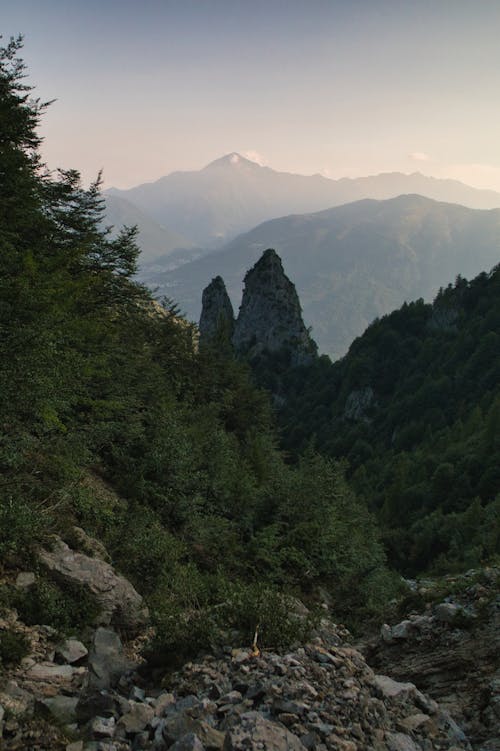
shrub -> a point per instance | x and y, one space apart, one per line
67 608
13 647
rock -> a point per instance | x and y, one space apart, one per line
180 725
188 742
16 700
217 316
162 702
386 633
103 727
137 718
75 746
92 703
233 697
415 721
137 694
446 612
401 742
402 630
51 673
358 403
106 660
25 579
391 689
62 708
2 715
71 651
270 317
256 732
120 604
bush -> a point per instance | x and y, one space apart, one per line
13 647
20 527
68 609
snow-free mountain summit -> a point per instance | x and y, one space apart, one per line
210 206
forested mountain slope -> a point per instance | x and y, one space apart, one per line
351 263
98 381
415 409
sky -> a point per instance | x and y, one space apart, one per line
344 88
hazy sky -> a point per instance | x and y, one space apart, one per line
342 87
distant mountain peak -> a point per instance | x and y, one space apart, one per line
232 160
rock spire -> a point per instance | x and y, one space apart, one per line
270 317
217 316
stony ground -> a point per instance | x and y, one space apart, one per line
451 650
319 696
70 696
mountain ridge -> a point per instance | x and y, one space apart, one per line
352 263
232 194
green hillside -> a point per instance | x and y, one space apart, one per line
100 383
414 407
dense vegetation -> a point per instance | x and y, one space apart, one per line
110 419
414 407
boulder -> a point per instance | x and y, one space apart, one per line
256 732
401 742
189 742
137 718
25 579
71 651
120 604
106 660
61 708
446 612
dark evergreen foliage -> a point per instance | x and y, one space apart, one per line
97 380
423 447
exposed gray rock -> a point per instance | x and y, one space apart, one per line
391 689
401 742
62 708
255 732
451 655
71 651
51 673
103 727
189 742
16 700
217 316
270 317
106 660
357 404
447 611
402 630
120 603
136 719
25 579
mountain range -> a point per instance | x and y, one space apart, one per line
209 207
351 263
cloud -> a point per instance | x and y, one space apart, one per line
255 156
419 156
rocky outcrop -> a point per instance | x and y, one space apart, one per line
358 403
270 317
217 316
120 604
321 697
452 652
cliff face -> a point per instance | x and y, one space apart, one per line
270 317
217 317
